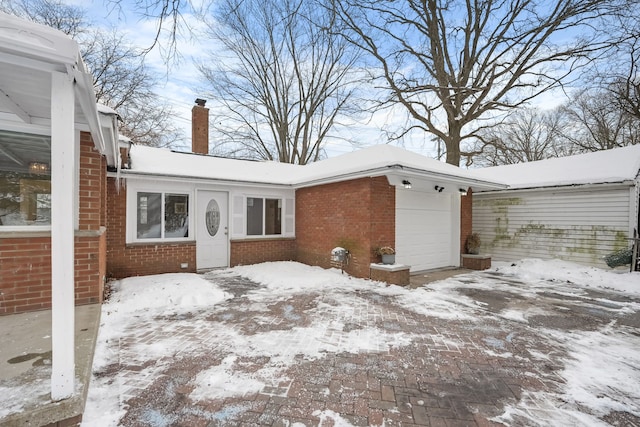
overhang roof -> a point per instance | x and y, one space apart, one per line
617 165
372 161
29 53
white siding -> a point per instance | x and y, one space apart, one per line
571 224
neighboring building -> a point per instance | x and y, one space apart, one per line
187 212
577 208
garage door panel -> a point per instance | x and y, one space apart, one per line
423 229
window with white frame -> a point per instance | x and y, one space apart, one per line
264 216
25 179
162 215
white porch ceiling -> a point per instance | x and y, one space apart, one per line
25 92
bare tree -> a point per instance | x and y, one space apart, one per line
451 63
526 135
123 82
282 77
69 19
622 75
169 18
601 122
121 79
627 87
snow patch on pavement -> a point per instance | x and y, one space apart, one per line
601 376
223 380
533 269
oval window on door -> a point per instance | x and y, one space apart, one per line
212 217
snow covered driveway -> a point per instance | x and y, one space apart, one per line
285 344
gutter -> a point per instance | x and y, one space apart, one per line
625 183
124 173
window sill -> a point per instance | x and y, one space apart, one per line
18 233
160 242
262 238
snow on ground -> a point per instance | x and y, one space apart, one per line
137 301
603 381
23 395
562 271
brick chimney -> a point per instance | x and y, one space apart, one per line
200 127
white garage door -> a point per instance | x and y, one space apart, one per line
425 234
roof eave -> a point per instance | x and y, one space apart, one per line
621 183
407 171
129 173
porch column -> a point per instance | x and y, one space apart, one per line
62 236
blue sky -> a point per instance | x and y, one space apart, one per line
181 83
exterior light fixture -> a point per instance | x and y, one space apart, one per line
406 184
439 188
463 192
38 168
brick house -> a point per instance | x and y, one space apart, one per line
55 147
175 211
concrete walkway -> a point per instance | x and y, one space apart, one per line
25 367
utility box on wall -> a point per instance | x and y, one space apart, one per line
339 258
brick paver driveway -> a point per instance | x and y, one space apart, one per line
492 351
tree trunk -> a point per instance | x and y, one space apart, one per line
452 142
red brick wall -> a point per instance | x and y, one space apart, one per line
25 274
89 277
139 259
92 185
383 214
466 219
90 241
245 252
25 258
357 214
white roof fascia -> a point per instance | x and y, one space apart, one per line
399 169
131 174
86 97
594 186
109 125
476 183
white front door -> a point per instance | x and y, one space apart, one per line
212 238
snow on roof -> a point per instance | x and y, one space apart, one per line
610 166
371 161
105 109
164 162
380 157
30 39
